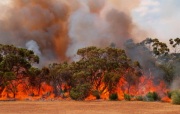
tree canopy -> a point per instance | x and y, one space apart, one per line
14 64
97 70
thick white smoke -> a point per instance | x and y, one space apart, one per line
175 84
32 45
86 29
60 27
99 23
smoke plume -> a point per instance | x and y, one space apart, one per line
56 29
59 27
32 45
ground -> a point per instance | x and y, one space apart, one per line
87 107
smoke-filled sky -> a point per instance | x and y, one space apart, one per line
55 29
161 17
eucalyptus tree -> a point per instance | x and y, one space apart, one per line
168 59
60 75
175 43
14 64
97 66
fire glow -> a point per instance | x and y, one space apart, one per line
56 29
145 85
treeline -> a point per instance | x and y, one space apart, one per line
94 68
167 59
80 78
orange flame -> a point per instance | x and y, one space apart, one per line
144 85
24 92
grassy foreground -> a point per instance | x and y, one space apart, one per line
87 107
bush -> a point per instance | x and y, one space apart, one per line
80 92
127 97
113 96
176 97
169 94
96 93
152 96
139 98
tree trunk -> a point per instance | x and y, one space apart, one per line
55 90
39 89
129 88
14 95
1 90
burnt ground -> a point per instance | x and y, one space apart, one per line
87 107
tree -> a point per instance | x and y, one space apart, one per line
159 48
131 76
37 77
97 66
175 43
34 81
60 74
169 72
14 64
167 62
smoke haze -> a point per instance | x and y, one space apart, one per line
56 29
60 27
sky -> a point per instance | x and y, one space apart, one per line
159 17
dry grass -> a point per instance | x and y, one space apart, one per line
87 107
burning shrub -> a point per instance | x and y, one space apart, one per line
139 98
152 96
176 97
80 92
96 93
113 96
127 97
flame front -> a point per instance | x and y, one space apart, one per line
145 84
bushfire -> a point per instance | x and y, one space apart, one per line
144 86
45 91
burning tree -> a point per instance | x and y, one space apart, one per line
101 68
99 73
14 64
168 61
156 58
60 78
36 78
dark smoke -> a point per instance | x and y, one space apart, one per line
142 54
59 27
44 22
